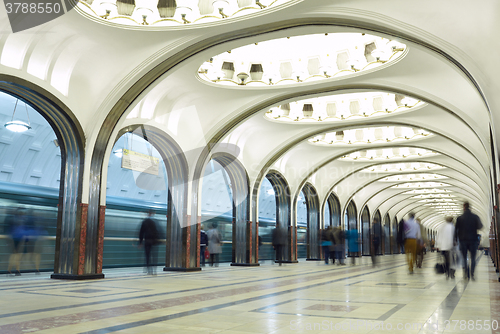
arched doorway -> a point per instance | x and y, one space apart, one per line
267 216
395 247
365 231
52 158
239 229
334 210
301 209
217 206
282 200
351 220
132 191
313 228
387 234
377 232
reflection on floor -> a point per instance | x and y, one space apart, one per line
308 297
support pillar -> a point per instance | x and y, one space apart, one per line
78 272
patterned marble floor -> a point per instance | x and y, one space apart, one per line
308 297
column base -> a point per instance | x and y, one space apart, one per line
245 264
181 269
294 261
315 260
77 277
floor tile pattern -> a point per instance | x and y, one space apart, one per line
307 297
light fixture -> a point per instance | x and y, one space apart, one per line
270 192
17 125
118 152
319 59
378 53
221 5
352 63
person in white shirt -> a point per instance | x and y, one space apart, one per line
445 244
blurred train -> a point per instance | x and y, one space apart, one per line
122 222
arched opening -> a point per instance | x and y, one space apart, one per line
137 182
217 208
365 231
282 202
313 228
267 217
377 233
159 176
326 216
301 209
225 192
351 222
387 234
334 210
395 247
41 174
30 175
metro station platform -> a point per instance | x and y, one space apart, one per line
308 297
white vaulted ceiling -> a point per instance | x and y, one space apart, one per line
449 64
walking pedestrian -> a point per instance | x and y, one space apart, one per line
466 233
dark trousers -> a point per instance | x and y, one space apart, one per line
214 258
447 262
279 254
326 252
149 250
470 246
202 255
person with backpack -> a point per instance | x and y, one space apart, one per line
214 247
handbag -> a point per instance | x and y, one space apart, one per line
207 254
439 268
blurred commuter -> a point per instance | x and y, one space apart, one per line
445 244
279 242
466 233
339 240
326 243
401 236
17 231
331 248
412 234
353 243
376 233
149 237
421 244
33 240
203 246
214 244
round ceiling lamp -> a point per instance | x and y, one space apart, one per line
18 125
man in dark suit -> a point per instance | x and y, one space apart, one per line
148 236
466 233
